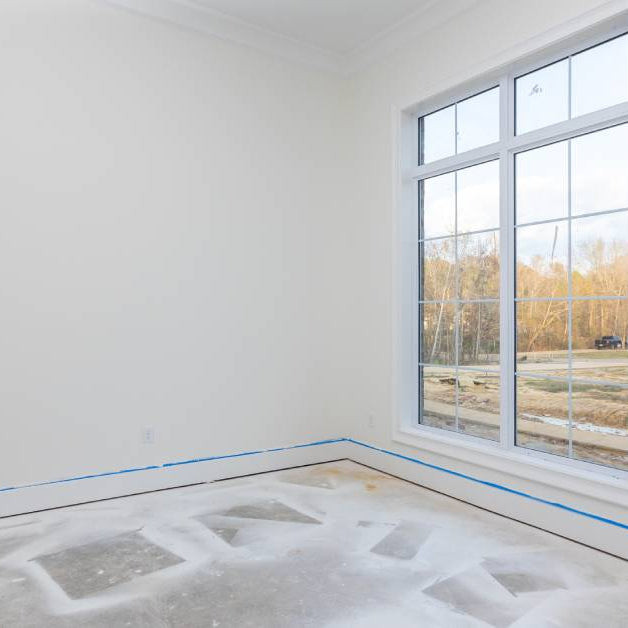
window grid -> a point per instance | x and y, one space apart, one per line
565 218
563 58
510 144
466 233
454 104
458 302
571 379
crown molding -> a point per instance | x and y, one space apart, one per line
189 14
407 30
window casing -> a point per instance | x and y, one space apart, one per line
511 294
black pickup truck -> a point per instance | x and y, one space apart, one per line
608 342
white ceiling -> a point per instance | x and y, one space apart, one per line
336 35
338 26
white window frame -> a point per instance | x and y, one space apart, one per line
406 427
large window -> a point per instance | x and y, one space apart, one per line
522 190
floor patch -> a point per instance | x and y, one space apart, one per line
271 510
88 569
404 541
226 534
525 573
314 481
477 595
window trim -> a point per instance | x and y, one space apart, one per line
406 429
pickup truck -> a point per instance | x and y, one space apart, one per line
608 342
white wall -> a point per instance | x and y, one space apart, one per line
166 206
198 237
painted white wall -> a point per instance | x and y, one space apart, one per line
167 202
198 237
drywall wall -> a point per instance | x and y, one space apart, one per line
197 238
166 218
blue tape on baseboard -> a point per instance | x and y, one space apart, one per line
417 461
499 487
167 465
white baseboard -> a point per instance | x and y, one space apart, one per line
58 494
534 506
586 522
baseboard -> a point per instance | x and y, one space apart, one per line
95 487
588 523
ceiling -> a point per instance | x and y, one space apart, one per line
338 26
337 35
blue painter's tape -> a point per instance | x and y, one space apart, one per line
256 452
499 487
167 465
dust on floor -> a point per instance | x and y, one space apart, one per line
335 545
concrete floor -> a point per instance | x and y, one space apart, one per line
334 545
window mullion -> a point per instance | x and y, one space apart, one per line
506 293
455 162
588 123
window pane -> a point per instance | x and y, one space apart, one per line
600 424
478 404
599 77
478 263
479 335
542 260
599 331
437 343
542 183
543 337
478 120
439 134
542 97
478 197
438 277
600 255
439 206
543 415
600 171
437 397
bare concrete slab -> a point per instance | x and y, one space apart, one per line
476 595
89 569
374 551
526 573
404 541
226 534
271 510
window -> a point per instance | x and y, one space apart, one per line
522 248
459 300
583 83
460 127
571 213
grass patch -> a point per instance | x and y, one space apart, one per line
600 354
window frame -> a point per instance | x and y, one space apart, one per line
407 429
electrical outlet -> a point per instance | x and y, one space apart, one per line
371 420
148 435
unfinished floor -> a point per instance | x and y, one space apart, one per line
329 545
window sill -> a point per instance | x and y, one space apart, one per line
609 486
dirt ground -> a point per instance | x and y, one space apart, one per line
592 403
